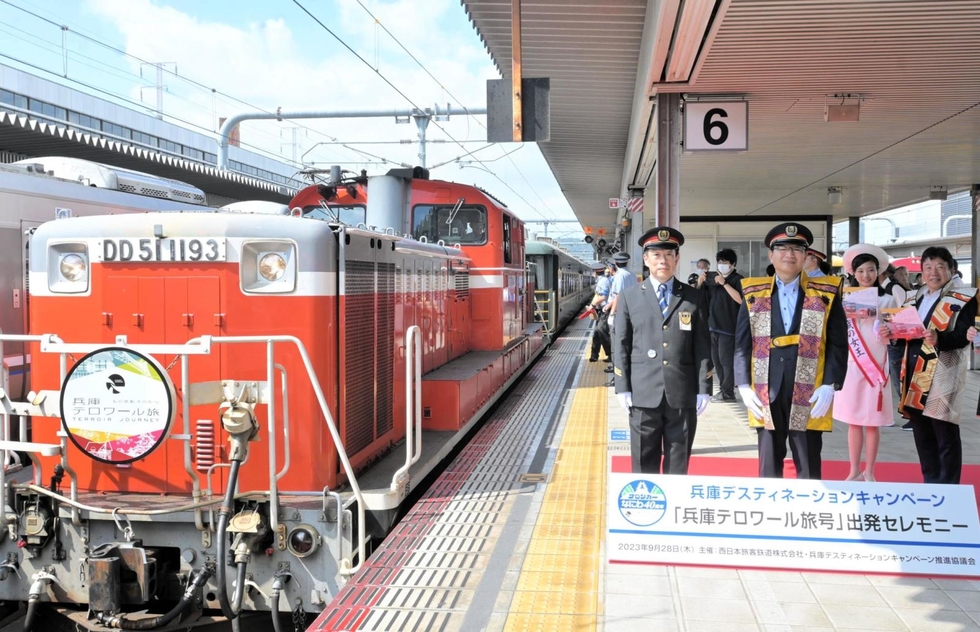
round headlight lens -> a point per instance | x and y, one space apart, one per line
303 541
272 266
73 267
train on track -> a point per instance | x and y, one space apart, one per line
227 407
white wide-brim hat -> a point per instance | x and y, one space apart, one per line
865 249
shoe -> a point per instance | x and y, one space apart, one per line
729 398
593 359
608 369
611 383
718 398
857 477
607 360
907 426
868 477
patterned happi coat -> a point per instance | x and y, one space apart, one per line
810 340
933 379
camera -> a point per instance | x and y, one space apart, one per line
693 279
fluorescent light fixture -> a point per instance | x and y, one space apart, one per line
842 112
834 195
938 193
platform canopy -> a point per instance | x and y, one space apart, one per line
911 67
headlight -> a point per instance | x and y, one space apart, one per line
268 266
67 268
73 267
303 541
272 266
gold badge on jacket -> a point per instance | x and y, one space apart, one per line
685 318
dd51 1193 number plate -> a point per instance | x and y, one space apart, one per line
149 250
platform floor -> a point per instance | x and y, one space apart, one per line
512 536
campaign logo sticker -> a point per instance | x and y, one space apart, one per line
642 503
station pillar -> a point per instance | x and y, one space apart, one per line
853 230
668 160
974 230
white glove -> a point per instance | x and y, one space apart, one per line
625 400
751 400
821 399
703 403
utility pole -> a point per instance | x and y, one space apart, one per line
159 83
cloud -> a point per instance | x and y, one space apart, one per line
288 60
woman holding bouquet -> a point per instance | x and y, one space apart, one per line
865 401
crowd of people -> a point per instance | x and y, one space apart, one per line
796 347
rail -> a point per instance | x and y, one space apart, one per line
198 394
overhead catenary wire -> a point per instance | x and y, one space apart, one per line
453 97
166 71
407 98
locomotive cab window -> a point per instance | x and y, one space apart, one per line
466 225
349 215
507 236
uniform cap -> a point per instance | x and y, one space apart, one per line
789 233
816 253
597 265
621 257
661 237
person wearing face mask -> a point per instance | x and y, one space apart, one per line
790 355
724 298
934 369
703 268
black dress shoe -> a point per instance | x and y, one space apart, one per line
608 369
907 426
607 359
593 359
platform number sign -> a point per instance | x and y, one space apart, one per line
716 126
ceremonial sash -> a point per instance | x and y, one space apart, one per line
916 394
858 349
817 295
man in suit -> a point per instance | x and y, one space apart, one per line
662 351
790 354
934 369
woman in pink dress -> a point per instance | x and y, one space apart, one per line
865 401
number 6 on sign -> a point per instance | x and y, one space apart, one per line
716 126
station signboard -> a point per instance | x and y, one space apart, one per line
857 527
716 126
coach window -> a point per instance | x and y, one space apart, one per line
507 238
464 225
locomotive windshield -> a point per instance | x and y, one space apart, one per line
350 215
468 225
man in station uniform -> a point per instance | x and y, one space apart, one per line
620 281
815 265
661 348
600 332
790 354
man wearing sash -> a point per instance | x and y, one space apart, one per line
934 369
662 350
790 354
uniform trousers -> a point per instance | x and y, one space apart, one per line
600 337
723 358
805 445
663 433
939 446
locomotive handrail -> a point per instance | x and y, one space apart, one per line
413 404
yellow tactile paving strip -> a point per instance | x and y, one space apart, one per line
558 588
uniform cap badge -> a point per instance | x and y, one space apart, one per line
791 230
663 235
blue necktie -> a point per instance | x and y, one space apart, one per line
662 290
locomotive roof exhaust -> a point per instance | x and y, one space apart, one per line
388 203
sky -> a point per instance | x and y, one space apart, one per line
225 57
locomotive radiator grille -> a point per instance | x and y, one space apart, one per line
461 283
359 346
385 346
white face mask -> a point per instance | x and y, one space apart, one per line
724 268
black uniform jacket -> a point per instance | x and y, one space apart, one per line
657 356
782 360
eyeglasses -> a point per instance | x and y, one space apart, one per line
784 248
